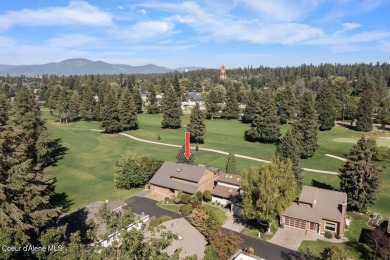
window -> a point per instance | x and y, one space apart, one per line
330 226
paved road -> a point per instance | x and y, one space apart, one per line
262 248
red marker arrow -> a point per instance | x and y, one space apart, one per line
187 151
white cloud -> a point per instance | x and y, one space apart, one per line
350 26
282 10
77 12
146 30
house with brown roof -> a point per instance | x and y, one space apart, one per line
317 210
190 240
227 188
174 177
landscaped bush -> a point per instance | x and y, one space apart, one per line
328 234
185 198
166 199
196 204
207 195
177 200
186 209
337 236
199 194
194 198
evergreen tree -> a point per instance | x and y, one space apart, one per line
231 164
137 99
171 110
176 86
110 114
153 107
197 127
288 148
74 104
325 106
25 190
212 106
4 111
88 104
288 104
360 176
250 109
127 111
365 107
52 102
63 105
231 110
265 125
180 158
306 128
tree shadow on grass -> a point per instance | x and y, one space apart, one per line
57 151
321 185
62 200
357 246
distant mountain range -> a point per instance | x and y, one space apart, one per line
84 66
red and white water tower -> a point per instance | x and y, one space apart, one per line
223 73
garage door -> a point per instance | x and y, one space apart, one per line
294 222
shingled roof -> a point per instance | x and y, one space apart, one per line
325 204
168 172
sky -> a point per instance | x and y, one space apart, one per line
237 33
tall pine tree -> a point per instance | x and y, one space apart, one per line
288 148
127 111
306 128
250 109
366 107
180 158
360 176
74 104
63 105
176 86
137 99
110 114
88 104
153 107
231 164
171 110
265 125
212 106
197 127
325 103
27 191
231 110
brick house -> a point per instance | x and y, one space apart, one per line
317 210
174 177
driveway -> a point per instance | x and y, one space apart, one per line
291 237
147 206
262 248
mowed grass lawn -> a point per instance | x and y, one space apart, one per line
86 171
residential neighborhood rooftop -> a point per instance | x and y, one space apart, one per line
229 178
190 240
326 204
170 174
225 192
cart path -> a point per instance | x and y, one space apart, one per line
336 157
213 151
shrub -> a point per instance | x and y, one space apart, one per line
185 198
159 137
166 199
193 198
177 200
196 204
328 234
337 236
196 148
186 209
199 194
251 251
207 195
